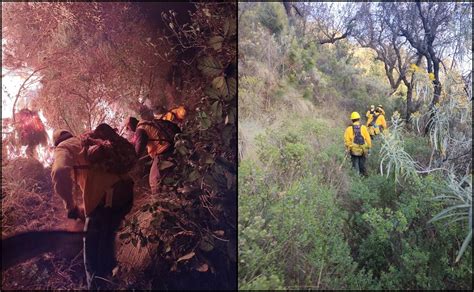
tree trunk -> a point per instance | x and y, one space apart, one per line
409 101
436 96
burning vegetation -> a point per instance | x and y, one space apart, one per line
101 63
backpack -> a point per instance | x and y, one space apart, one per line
105 148
358 138
374 119
167 130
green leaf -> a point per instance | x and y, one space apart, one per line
464 245
231 88
226 87
212 93
207 243
216 109
194 175
182 150
210 66
209 160
443 213
204 123
216 42
219 83
165 164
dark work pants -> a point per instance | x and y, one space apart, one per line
99 242
358 163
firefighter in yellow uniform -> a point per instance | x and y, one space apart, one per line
370 113
357 143
157 137
381 109
377 123
107 199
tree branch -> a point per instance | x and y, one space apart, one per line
21 88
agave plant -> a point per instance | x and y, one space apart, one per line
423 86
392 152
439 132
459 206
451 129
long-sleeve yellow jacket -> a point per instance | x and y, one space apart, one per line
349 139
380 123
157 142
70 165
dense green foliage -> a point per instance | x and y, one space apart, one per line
306 220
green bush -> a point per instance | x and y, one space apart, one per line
281 243
272 15
392 238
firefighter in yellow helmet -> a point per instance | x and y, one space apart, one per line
377 123
381 109
357 142
370 113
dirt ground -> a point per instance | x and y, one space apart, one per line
29 203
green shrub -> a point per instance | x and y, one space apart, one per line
272 15
392 238
305 222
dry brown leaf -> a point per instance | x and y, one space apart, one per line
219 232
186 257
203 268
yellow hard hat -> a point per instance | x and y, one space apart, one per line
180 112
372 106
355 116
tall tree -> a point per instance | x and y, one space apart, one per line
428 29
374 30
95 56
329 22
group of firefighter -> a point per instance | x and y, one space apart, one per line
108 196
358 137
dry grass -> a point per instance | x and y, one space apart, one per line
28 203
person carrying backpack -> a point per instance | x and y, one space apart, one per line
377 123
357 142
98 162
157 137
370 113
